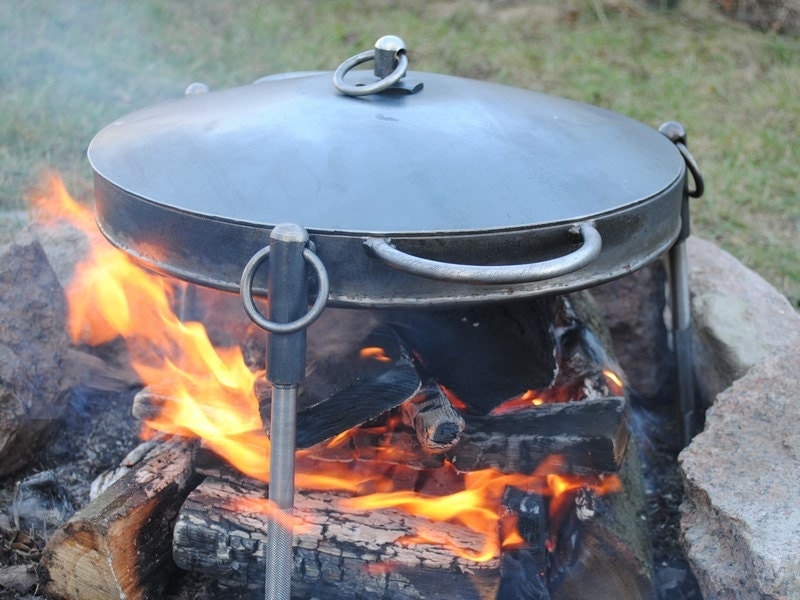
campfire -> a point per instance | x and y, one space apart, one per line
428 394
406 471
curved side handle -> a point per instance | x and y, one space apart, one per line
490 274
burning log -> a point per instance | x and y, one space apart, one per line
524 570
582 543
118 546
221 531
591 436
436 422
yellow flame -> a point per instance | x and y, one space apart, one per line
210 395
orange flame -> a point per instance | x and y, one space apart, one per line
212 389
210 392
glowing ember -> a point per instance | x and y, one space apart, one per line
375 353
554 395
614 381
211 397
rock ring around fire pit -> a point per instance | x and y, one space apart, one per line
741 521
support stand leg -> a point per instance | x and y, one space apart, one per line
682 338
287 288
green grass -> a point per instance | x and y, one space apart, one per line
70 67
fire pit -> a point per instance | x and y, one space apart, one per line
403 191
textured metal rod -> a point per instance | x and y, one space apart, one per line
286 361
278 555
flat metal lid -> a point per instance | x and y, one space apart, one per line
458 156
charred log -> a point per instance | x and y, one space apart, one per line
221 531
118 546
603 548
600 545
523 571
591 436
436 422
484 354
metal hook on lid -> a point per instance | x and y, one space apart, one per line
391 64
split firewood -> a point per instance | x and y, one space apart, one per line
603 548
591 436
433 418
600 545
119 545
221 532
523 570
483 354
362 401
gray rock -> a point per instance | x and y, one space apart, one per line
738 318
741 516
33 352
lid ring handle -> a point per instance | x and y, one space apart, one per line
391 45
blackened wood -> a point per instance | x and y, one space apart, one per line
590 436
119 545
433 418
364 400
339 553
484 354
523 571
350 380
604 550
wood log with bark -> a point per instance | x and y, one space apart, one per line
339 553
119 545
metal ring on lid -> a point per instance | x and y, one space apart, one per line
303 322
389 50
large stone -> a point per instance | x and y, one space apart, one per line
741 516
34 351
738 318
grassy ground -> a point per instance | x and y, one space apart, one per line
71 66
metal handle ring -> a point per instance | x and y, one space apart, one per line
372 88
694 169
283 328
493 274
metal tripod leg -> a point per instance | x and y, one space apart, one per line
679 287
682 337
286 362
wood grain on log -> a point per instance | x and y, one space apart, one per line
435 421
119 545
221 531
591 437
339 553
